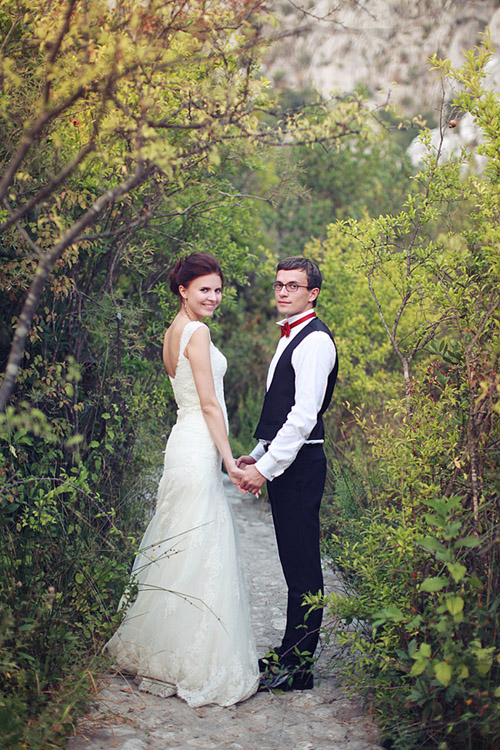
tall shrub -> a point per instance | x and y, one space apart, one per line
421 551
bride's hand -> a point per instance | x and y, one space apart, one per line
235 475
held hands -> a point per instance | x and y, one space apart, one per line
245 476
235 475
252 479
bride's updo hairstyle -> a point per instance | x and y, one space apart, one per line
190 268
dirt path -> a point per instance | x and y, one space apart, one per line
318 719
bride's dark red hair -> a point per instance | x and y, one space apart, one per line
186 270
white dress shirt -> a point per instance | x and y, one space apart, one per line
313 360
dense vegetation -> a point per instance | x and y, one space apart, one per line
134 134
414 515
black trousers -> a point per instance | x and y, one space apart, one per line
295 499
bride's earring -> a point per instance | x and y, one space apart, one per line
185 306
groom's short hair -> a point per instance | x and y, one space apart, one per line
297 262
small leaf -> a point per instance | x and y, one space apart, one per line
435 583
445 555
433 520
457 571
467 541
442 671
414 623
419 667
74 440
454 604
391 613
452 529
79 577
483 667
431 543
475 583
425 650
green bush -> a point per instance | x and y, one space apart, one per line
426 641
63 565
414 517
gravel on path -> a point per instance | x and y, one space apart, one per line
324 718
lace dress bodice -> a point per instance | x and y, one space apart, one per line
185 393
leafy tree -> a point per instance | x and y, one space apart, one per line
109 95
125 94
419 547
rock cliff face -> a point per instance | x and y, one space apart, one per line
381 44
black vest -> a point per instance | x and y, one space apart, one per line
280 397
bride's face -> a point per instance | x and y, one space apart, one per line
202 296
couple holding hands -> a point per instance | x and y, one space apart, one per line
188 630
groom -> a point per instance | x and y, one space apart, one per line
291 458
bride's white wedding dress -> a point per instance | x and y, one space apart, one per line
188 630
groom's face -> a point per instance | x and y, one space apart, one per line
293 303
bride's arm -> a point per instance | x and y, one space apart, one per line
198 353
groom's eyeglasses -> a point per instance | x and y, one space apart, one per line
292 286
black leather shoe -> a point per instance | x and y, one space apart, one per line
285 680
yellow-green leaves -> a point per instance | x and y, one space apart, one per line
454 605
443 672
434 583
422 658
457 571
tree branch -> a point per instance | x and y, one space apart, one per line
29 138
48 189
45 266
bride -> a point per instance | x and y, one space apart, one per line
188 630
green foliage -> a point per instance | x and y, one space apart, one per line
122 123
414 514
434 628
63 565
309 187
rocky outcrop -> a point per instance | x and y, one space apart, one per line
383 45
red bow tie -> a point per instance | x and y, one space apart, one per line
287 327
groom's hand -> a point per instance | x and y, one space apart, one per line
252 479
244 461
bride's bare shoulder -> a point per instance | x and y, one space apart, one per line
171 345
172 342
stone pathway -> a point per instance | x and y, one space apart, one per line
319 719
